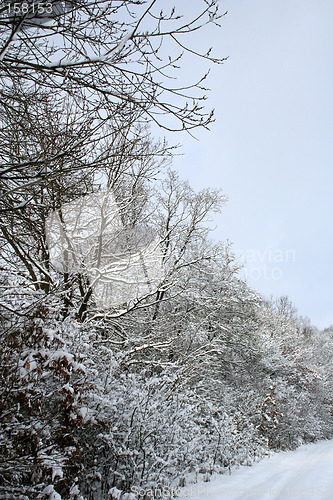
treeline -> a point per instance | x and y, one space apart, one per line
197 373
197 377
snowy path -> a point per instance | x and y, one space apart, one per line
306 473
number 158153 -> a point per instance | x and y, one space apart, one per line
25 8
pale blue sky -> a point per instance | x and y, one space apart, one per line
271 147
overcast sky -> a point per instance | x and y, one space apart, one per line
270 149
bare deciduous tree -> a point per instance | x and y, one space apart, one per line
115 57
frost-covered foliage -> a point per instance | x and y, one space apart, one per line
86 416
197 377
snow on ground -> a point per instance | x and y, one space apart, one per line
306 473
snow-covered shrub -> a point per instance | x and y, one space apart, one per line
42 401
